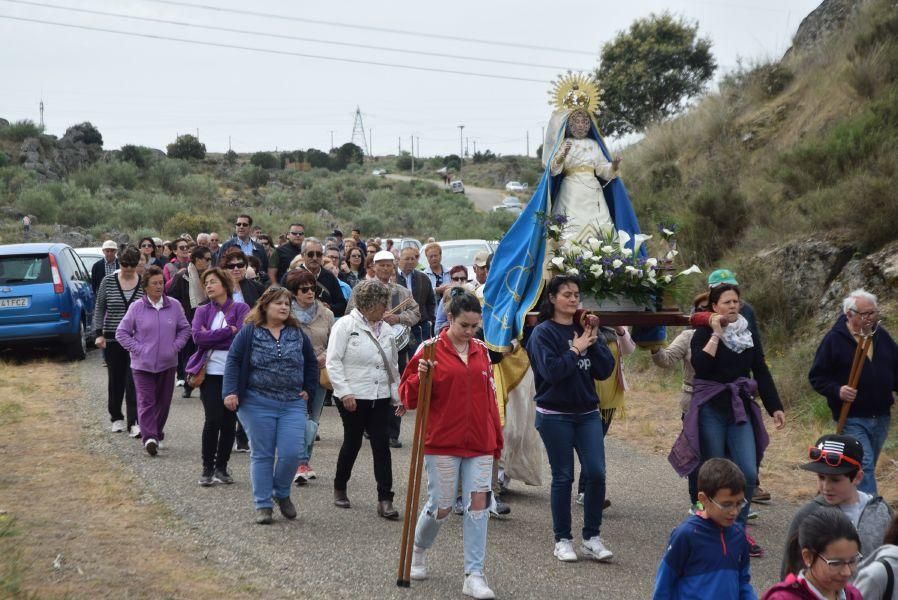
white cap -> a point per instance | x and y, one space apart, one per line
110 245
384 255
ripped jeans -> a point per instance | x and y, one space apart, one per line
443 473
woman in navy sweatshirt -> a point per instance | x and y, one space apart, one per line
567 360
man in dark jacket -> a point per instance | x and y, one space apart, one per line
329 290
871 402
243 241
418 284
285 253
104 267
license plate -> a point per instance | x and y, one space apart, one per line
22 302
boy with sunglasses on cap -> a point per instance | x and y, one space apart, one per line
707 556
837 459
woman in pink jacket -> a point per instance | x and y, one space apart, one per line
153 332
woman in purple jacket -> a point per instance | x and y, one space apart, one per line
153 331
214 326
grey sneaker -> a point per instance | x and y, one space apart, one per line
206 479
263 516
286 506
221 475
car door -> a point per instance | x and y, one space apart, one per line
79 283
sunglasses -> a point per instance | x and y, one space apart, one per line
237 265
462 279
241 224
833 459
148 246
305 289
128 265
314 254
297 232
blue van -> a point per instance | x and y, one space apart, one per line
45 296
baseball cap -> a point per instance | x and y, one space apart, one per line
384 255
110 245
480 258
838 449
721 276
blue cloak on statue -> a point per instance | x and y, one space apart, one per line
515 280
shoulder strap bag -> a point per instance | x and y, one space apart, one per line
392 375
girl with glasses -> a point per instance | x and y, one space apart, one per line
458 278
234 263
355 272
148 253
830 553
180 261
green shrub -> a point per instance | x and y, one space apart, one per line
14 179
198 187
153 208
40 203
90 178
141 156
717 216
185 222
4 159
230 157
82 210
253 176
167 172
21 130
265 160
186 147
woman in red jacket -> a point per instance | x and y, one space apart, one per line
463 437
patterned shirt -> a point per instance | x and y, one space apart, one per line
276 366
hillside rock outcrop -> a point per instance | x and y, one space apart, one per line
81 146
827 18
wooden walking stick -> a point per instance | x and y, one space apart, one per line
414 473
854 376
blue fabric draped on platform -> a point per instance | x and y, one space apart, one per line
515 279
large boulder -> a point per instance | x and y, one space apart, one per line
831 16
877 273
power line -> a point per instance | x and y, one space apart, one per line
278 52
430 35
284 36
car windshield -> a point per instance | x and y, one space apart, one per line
24 270
461 255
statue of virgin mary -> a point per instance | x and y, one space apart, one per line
580 181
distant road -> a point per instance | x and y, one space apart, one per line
483 198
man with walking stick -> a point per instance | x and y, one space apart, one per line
856 370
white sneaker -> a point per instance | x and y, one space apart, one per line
595 548
179 383
118 426
476 587
160 445
419 564
580 498
135 431
564 551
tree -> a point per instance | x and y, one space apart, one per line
230 157
404 162
650 71
139 155
348 154
186 146
265 160
483 157
316 158
453 161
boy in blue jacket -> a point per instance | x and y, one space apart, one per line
707 556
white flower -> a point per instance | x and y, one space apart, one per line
607 249
623 237
651 262
616 263
594 244
558 261
573 271
596 270
639 239
671 254
626 252
587 254
667 279
690 271
667 232
554 228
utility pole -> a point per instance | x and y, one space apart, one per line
42 113
371 142
418 145
466 147
413 154
399 153
461 147
197 133
332 138
475 146
229 143
528 142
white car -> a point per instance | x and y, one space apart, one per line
379 172
509 203
457 187
515 186
89 256
459 252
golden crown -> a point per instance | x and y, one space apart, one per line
573 91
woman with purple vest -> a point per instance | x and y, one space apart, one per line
153 331
214 326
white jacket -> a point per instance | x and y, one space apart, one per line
354 364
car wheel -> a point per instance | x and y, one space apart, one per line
76 348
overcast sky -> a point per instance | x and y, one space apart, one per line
145 91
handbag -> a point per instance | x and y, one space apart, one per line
324 379
392 376
195 380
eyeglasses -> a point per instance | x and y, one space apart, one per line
462 279
866 314
830 457
237 265
128 265
241 224
839 563
305 289
182 248
730 506
313 254
148 246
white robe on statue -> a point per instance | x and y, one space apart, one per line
580 195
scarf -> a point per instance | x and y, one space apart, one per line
736 336
305 315
195 286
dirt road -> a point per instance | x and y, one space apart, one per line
483 198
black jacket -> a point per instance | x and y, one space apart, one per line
98 272
258 251
284 254
251 290
422 292
879 378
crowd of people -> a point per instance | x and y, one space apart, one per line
272 330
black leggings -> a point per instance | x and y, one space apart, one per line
372 416
118 367
218 428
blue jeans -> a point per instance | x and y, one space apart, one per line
443 473
315 415
871 432
274 428
721 437
562 435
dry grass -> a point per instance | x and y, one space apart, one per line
652 421
70 525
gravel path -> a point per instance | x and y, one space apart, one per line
334 553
